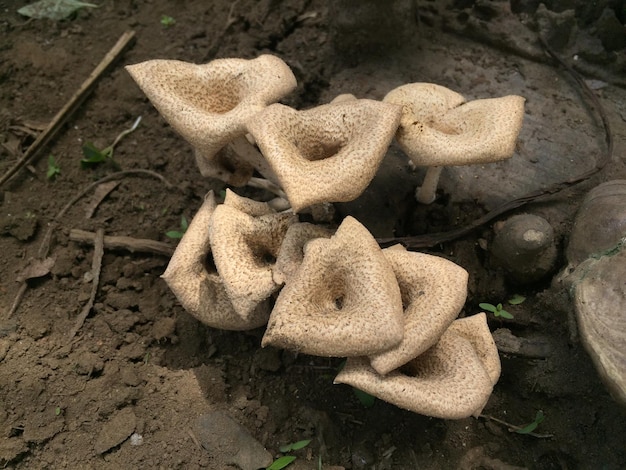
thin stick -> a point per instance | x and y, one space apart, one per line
514 428
141 245
96 269
72 105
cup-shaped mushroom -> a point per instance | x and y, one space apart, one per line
196 284
343 300
209 104
291 251
440 128
448 381
433 292
245 249
326 154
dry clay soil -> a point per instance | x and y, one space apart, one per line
140 364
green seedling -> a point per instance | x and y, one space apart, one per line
366 399
539 417
516 299
295 446
57 411
92 155
53 9
281 462
53 168
167 21
497 310
177 234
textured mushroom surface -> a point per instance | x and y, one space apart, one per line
247 205
245 249
476 330
440 128
198 288
326 154
343 300
448 381
291 251
209 104
600 300
433 292
600 223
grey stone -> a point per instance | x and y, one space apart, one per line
220 434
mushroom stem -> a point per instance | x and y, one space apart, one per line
267 185
244 149
427 193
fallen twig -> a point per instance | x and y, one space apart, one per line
141 245
96 269
432 239
72 105
514 428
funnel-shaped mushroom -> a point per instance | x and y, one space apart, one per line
343 300
439 128
200 289
448 381
326 154
433 292
245 249
209 104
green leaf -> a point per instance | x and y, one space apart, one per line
53 9
488 307
53 168
504 314
184 225
295 446
281 462
174 234
57 411
92 155
516 299
539 417
366 399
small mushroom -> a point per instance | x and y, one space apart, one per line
244 248
440 128
198 287
433 292
326 154
343 300
447 381
209 105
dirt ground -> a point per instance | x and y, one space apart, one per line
141 366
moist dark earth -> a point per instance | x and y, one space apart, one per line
127 391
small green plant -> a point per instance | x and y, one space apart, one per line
167 21
539 417
516 299
92 155
366 399
53 168
285 460
497 310
177 234
57 411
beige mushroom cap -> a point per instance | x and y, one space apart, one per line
433 291
326 154
200 291
476 330
439 128
249 206
244 249
291 251
343 300
448 381
209 104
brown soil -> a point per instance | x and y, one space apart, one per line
141 364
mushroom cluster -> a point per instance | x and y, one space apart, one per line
330 292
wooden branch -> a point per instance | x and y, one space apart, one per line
142 245
70 107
